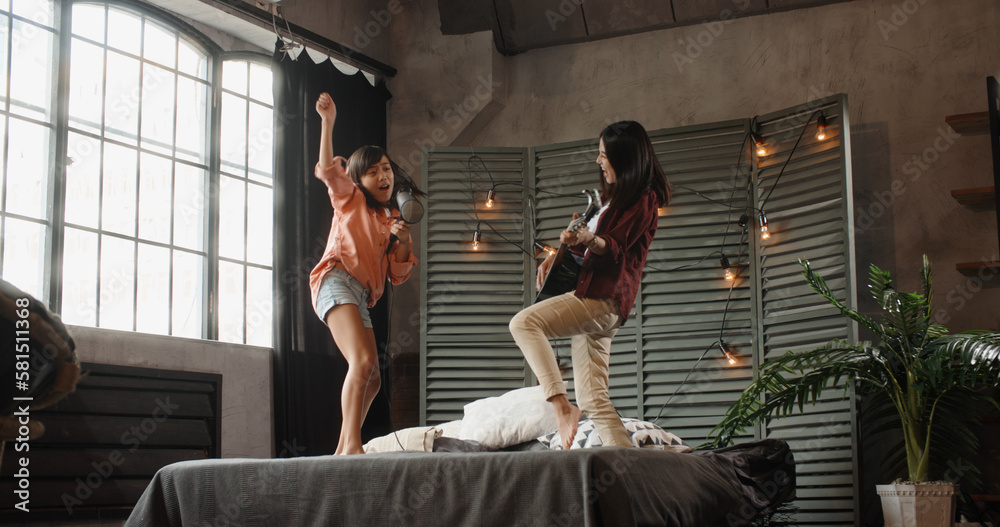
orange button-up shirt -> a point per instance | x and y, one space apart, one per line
358 238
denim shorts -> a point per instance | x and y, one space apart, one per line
339 288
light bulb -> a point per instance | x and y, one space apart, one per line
764 233
727 269
549 250
758 141
821 127
727 352
476 236
489 197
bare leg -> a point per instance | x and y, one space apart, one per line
374 380
567 417
356 343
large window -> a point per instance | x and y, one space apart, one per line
167 169
26 141
246 204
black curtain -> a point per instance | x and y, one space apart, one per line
308 369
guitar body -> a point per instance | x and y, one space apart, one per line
565 272
562 277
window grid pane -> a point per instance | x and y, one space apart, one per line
154 198
246 201
135 220
28 153
232 301
259 306
4 50
137 174
88 21
27 53
152 314
24 255
31 72
158 108
116 308
40 11
86 86
187 291
79 305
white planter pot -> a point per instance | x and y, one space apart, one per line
918 505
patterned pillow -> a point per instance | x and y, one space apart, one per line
643 434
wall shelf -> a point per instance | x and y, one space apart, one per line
986 198
976 123
974 268
978 199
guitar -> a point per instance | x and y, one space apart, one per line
565 272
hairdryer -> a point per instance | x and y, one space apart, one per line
410 211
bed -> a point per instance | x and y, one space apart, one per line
491 468
608 486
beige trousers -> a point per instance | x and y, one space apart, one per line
591 323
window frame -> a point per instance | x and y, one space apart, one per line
54 260
52 124
260 59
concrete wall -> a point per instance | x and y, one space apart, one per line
904 65
247 392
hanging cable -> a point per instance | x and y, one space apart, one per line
287 45
477 235
700 195
732 285
736 175
792 153
683 382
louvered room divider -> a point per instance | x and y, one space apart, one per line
668 363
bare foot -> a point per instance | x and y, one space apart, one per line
568 418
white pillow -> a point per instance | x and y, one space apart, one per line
420 439
451 428
643 434
515 417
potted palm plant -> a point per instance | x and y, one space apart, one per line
929 377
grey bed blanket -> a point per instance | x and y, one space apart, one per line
588 487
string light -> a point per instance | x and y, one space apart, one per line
758 141
728 352
821 127
489 197
764 232
476 236
730 274
545 248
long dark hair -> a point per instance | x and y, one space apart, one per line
637 169
369 155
